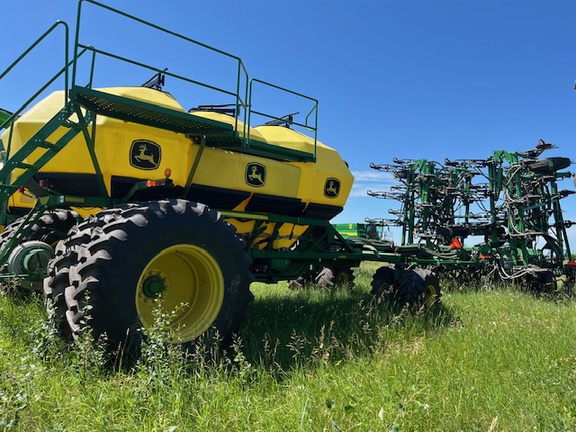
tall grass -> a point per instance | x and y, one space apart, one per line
316 360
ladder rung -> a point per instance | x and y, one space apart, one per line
44 144
25 165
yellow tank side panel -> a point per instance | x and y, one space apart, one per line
315 177
228 170
316 180
116 140
327 181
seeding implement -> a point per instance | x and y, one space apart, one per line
119 202
508 206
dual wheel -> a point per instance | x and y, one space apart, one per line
121 270
418 288
543 282
36 249
327 277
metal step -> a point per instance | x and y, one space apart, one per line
218 134
145 113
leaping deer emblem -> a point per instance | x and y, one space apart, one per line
255 177
143 156
332 188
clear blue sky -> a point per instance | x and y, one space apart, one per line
395 78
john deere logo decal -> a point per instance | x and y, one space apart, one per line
332 188
145 155
255 174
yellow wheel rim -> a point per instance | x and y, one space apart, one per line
430 295
343 279
185 283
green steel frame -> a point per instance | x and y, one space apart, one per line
517 207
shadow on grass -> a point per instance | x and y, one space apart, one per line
286 331
317 328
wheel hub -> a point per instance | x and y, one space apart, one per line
30 258
153 286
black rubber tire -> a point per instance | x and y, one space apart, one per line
383 282
324 278
542 283
418 288
103 284
303 281
66 256
335 276
52 227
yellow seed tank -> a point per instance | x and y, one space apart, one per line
225 179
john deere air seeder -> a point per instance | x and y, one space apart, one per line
119 201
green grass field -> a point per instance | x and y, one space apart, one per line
311 360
